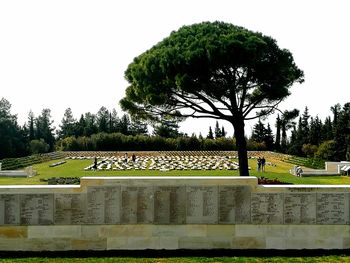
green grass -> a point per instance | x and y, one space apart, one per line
307 162
180 259
75 168
17 163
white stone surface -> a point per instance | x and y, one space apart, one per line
332 201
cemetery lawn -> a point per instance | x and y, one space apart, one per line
180 259
75 168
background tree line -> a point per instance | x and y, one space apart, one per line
296 134
309 136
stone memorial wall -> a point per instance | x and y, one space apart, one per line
106 213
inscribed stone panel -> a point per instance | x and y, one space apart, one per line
36 209
9 209
267 208
169 205
145 205
333 208
300 208
70 209
103 205
202 205
234 204
137 204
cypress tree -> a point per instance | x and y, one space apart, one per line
210 134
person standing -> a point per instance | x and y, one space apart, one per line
263 162
95 164
259 164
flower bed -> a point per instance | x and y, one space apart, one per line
263 180
61 180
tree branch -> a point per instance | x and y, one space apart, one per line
250 107
271 109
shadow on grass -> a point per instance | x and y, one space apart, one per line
148 253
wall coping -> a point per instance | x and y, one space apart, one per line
170 177
161 178
38 186
306 186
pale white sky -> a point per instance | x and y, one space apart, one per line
73 53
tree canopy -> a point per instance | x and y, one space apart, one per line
11 137
211 69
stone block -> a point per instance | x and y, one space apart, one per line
300 231
117 243
221 242
275 243
169 230
54 231
90 231
333 242
12 244
35 244
13 232
168 242
249 230
333 230
126 230
195 243
205 243
140 230
89 244
259 230
248 243
275 231
314 243
346 243
196 230
143 243
114 231
220 230
48 244
317 231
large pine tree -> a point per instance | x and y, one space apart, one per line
44 129
342 134
68 124
12 140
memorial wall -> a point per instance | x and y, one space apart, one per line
173 213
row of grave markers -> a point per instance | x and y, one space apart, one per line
166 163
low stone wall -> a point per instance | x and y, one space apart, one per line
111 213
15 173
331 168
28 172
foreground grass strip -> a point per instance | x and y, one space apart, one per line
180 259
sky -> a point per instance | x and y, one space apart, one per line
73 53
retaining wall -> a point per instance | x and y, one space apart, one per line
111 213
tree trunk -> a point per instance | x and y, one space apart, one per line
241 144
